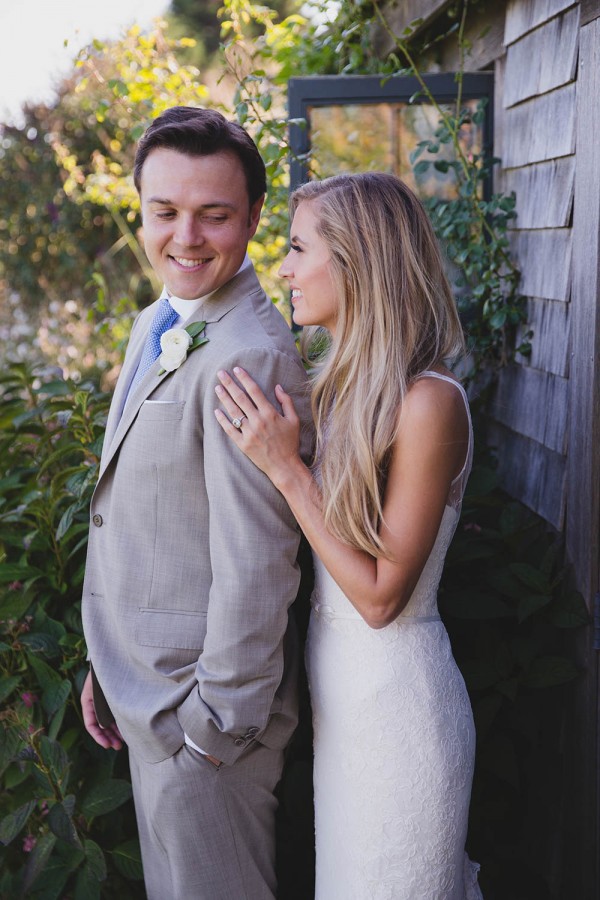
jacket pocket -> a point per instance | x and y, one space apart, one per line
161 411
170 628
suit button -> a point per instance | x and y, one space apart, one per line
240 742
252 732
97 520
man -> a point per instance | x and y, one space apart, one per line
191 565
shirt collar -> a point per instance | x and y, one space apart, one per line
187 308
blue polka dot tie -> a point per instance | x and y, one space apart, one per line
163 319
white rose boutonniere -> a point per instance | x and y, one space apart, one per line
176 343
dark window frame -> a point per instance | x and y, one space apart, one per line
339 90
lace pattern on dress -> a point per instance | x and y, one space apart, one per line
394 743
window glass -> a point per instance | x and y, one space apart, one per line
356 137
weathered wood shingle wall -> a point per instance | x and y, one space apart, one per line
535 128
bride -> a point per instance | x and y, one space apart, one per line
394 735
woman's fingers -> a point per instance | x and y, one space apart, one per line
234 433
252 389
233 398
248 400
231 408
287 404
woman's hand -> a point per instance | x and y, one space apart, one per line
270 439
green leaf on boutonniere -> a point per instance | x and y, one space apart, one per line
195 328
195 332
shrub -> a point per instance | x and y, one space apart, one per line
65 818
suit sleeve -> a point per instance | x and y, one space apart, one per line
253 548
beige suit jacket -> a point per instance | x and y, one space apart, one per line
191 567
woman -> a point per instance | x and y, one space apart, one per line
394 736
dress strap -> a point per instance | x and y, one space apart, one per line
464 472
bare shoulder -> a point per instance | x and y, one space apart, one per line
433 428
435 402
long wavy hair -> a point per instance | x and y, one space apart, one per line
396 318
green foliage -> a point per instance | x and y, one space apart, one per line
66 821
46 241
71 204
203 20
472 230
511 612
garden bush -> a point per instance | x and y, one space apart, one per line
66 819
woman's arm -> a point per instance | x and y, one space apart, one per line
429 451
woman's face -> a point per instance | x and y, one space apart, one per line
307 268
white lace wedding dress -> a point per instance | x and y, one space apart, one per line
394 742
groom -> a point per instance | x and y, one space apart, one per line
191 566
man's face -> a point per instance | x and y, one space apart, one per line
197 219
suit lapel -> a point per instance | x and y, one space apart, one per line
130 364
121 417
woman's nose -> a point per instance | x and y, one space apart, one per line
285 269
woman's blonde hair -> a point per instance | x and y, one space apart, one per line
396 318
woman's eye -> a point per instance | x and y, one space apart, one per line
296 248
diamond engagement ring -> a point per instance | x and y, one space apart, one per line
237 423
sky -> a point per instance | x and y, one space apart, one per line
33 55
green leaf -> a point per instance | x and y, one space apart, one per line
548 671
37 860
105 797
44 643
45 674
498 320
87 886
195 328
15 572
51 884
55 696
504 583
7 686
569 611
530 576
66 521
482 481
14 605
511 519
421 167
128 860
10 744
95 859
118 87
530 604
56 723
12 824
56 388
55 759
61 824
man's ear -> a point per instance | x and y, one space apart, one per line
254 217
